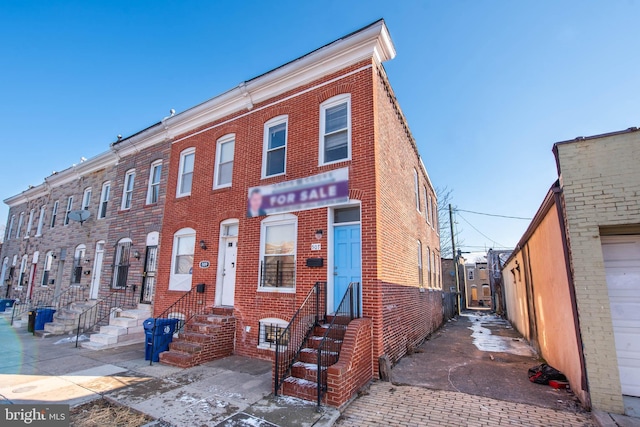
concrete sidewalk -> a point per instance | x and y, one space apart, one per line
231 391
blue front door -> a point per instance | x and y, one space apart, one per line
347 260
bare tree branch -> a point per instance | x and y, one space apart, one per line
445 197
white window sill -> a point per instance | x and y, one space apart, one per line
274 175
178 196
270 347
220 187
346 159
277 290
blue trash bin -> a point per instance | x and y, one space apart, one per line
164 330
6 303
43 315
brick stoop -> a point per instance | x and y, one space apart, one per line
205 338
302 383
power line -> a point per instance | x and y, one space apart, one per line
496 215
481 233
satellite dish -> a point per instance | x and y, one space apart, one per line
79 216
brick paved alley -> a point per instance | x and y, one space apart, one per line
386 404
472 372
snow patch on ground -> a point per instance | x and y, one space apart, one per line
484 340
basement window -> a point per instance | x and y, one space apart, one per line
270 328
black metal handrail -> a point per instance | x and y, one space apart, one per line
184 309
47 297
98 313
293 338
331 343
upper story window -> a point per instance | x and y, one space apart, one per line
274 157
471 274
69 209
427 204
40 221
223 172
10 229
278 237
20 221
153 192
433 214
185 174
86 199
416 189
127 192
54 214
104 200
335 129
32 213
184 242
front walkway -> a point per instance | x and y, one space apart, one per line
472 372
230 391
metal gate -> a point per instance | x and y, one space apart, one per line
149 275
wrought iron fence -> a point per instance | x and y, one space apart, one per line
184 309
292 339
100 312
331 343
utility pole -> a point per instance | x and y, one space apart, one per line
455 258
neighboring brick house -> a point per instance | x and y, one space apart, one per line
572 286
476 282
47 253
327 117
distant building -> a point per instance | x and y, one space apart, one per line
477 287
495 261
572 286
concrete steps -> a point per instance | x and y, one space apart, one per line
123 329
206 337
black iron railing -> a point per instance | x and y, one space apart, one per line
100 312
331 343
277 274
292 339
184 309
47 297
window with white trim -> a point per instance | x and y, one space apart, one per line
225 153
32 213
335 129
416 189
270 328
153 192
278 238
3 273
121 264
427 206
428 266
40 221
10 229
420 273
104 200
20 221
23 278
69 209
48 262
274 155
185 173
432 208
184 242
54 213
86 199
127 190
78 259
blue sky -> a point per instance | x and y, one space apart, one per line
487 86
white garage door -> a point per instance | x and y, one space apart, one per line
622 266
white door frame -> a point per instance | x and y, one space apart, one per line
222 244
330 255
97 270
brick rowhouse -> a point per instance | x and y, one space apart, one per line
384 168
